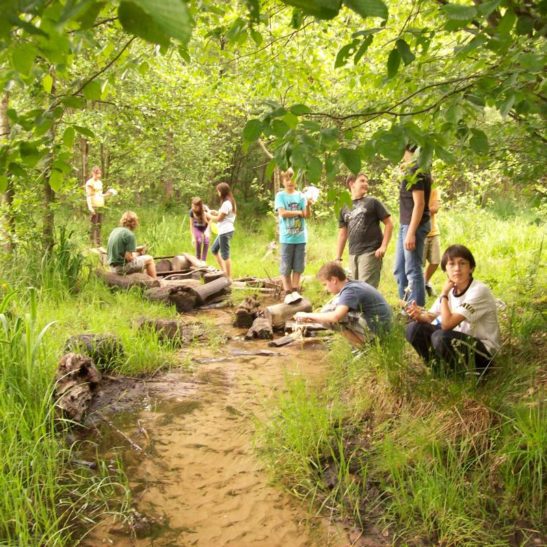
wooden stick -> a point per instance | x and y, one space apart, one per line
133 444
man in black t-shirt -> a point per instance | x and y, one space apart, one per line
414 226
361 225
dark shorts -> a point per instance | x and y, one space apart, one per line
293 258
222 244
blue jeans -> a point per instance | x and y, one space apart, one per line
408 264
222 244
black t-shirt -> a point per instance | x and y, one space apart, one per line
422 181
363 224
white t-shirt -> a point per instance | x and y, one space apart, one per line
94 191
478 306
226 225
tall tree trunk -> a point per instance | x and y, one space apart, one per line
48 220
168 183
84 153
7 223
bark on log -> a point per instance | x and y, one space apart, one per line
261 328
75 382
181 274
246 312
194 262
180 262
211 276
174 331
214 288
164 265
192 283
106 350
283 341
281 313
183 298
127 281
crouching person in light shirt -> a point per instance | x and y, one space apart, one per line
461 329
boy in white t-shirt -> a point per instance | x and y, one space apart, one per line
461 328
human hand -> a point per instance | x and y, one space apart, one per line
410 241
447 287
301 317
414 311
380 252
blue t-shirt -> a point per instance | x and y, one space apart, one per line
291 230
363 298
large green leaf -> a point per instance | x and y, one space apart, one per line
92 91
404 50
479 142
368 8
136 21
314 168
300 109
171 15
22 58
459 12
351 159
56 180
393 62
323 9
252 130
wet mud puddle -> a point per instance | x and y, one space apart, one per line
194 475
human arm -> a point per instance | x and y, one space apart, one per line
388 231
341 243
419 314
449 320
434 202
418 197
306 213
323 317
89 191
283 213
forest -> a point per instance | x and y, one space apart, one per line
312 443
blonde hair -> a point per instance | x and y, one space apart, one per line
288 174
129 219
96 169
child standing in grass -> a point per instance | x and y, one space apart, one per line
198 228
225 218
292 208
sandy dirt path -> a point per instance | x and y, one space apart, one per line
198 480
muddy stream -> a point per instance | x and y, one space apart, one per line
198 479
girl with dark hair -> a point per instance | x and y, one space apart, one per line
225 218
461 328
198 228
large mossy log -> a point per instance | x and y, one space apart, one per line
127 281
281 313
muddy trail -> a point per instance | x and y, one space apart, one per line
186 441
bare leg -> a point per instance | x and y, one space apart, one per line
286 283
295 281
219 260
429 271
150 267
228 268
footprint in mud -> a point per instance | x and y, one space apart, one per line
199 476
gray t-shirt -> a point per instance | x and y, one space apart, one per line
363 224
363 298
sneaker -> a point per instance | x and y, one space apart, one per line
430 290
292 298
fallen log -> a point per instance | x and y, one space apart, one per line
181 274
105 350
214 288
180 262
182 297
261 329
246 312
75 382
194 262
212 276
281 313
174 331
283 341
127 281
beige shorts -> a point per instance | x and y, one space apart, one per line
135 266
366 267
432 250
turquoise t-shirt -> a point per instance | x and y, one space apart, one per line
291 230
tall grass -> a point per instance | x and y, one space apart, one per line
445 460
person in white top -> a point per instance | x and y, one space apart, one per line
461 328
225 218
95 203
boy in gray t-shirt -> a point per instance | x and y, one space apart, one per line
357 306
361 225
